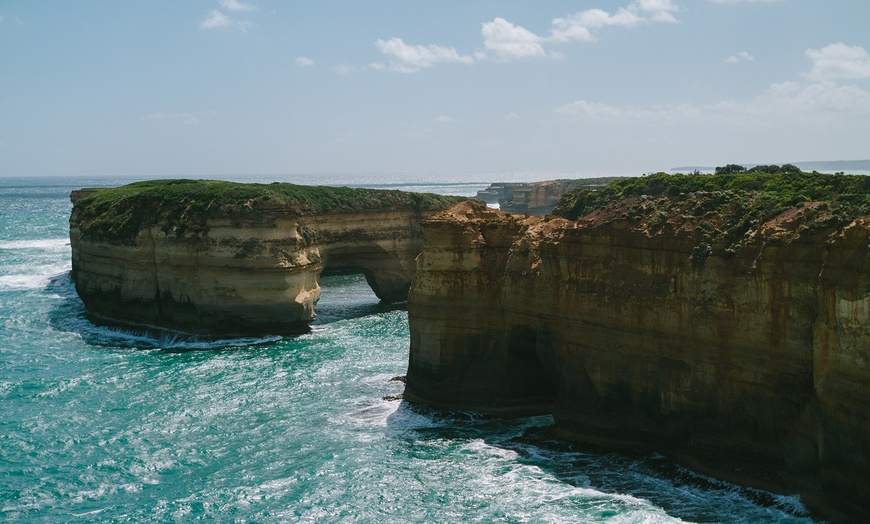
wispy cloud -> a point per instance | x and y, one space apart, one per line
742 56
345 69
783 101
746 1
304 61
188 118
839 61
586 110
444 119
408 58
234 5
217 19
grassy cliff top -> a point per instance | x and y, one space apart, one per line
726 207
184 206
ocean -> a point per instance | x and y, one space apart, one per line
102 425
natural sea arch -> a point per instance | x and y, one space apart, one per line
218 259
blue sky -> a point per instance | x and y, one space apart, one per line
224 87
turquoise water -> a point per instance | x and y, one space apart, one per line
99 425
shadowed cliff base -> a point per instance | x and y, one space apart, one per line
720 319
221 259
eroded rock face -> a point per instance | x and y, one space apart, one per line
249 273
751 367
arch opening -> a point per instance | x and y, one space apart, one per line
384 270
346 294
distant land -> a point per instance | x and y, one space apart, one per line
822 166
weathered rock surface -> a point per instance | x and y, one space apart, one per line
751 367
247 271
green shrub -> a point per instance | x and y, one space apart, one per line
183 207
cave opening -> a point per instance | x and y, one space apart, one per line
527 376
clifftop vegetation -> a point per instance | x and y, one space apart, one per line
184 206
726 207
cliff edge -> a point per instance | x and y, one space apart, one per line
215 258
721 320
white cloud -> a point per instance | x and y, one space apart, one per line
579 26
304 61
657 10
504 40
742 56
235 5
444 119
216 20
1 19
509 41
839 61
407 58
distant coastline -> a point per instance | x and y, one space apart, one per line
833 166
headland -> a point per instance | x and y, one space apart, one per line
723 320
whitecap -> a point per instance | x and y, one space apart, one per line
114 336
47 244
21 282
376 414
34 280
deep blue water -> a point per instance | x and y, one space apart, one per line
99 425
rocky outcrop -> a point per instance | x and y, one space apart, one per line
246 269
747 363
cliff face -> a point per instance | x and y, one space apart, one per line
750 365
247 271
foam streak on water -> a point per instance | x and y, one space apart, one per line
104 425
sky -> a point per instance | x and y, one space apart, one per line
258 87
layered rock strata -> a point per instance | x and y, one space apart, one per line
749 365
247 270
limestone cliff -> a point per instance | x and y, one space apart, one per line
645 325
221 259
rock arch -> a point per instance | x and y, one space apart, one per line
241 274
